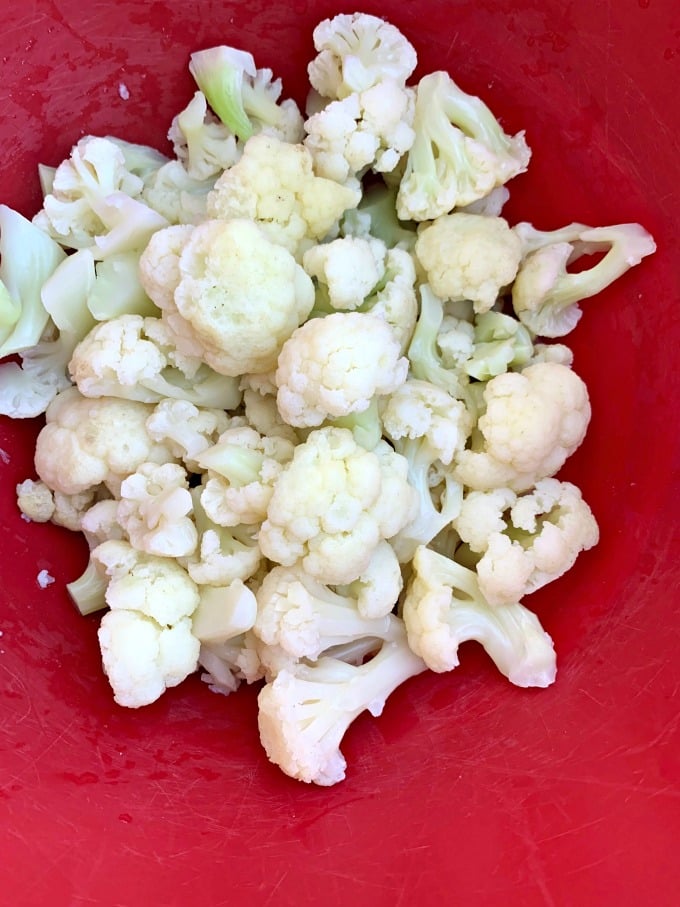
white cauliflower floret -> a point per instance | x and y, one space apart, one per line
525 541
305 618
274 185
145 639
356 51
378 588
420 409
333 366
305 711
87 442
135 358
371 129
159 264
142 659
224 554
444 607
155 510
185 429
239 297
100 523
469 256
333 504
534 420
204 145
546 296
348 268
70 509
35 500
243 467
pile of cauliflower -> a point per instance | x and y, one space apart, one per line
303 389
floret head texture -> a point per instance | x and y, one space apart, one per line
334 366
239 297
355 52
333 504
534 420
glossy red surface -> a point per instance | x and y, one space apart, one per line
466 790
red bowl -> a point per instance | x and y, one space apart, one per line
467 790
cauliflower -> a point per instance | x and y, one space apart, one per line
159 264
262 413
545 295
460 153
274 185
95 201
357 51
367 130
525 541
242 469
306 618
534 420
86 442
223 554
303 713
35 500
135 358
334 366
155 510
245 99
177 196
187 430
444 607
333 504
145 639
360 273
469 256
238 299
224 612
378 588
419 409
202 144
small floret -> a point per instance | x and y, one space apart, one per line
334 366
460 153
444 607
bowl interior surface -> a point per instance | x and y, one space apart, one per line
466 789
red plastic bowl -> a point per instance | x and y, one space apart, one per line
467 790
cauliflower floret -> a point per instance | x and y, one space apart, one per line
526 541
371 129
155 586
239 297
460 152
187 430
145 639
305 711
420 409
534 421
333 504
35 500
333 366
87 442
274 185
362 273
444 607
224 554
155 510
262 413
356 51
159 264
305 618
202 144
469 256
142 659
243 467
545 295
135 358
348 269
100 523
378 588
